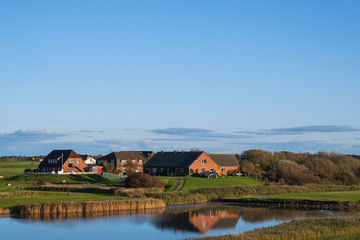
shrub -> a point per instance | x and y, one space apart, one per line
294 173
142 180
108 167
42 181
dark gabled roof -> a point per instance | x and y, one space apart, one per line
173 159
61 156
84 157
126 155
225 159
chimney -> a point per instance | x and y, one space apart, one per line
183 151
175 151
162 151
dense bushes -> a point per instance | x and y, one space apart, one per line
294 173
142 180
300 168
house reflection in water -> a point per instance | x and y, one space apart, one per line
213 219
200 221
203 219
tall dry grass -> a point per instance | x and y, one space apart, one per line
5 210
83 207
74 188
23 194
136 192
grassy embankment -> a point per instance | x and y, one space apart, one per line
12 168
325 228
172 184
13 195
349 196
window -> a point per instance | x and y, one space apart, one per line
203 169
154 170
223 170
211 169
204 161
140 161
123 162
78 161
134 161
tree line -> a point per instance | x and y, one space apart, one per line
300 168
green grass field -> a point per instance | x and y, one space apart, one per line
198 182
12 168
347 196
25 180
57 196
169 183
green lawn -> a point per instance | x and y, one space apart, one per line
58 196
12 168
169 183
199 182
24 180
351 196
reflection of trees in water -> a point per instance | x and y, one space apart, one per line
224 217
90 215
255 215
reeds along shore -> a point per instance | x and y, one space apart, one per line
5 210
84 207
91 215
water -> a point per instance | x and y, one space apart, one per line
166 223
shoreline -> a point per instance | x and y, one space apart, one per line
294 203
83 207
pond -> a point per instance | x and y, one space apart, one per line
176 222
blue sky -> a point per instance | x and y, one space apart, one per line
222 76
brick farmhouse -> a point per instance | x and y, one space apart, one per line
226 162
122 160
182 163
62 161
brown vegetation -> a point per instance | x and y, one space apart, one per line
108 167
73 188
22 194
300 168
142 180
136 192
5 210
83 207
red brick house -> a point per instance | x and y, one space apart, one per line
62 161
225 162
121 160
179 163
